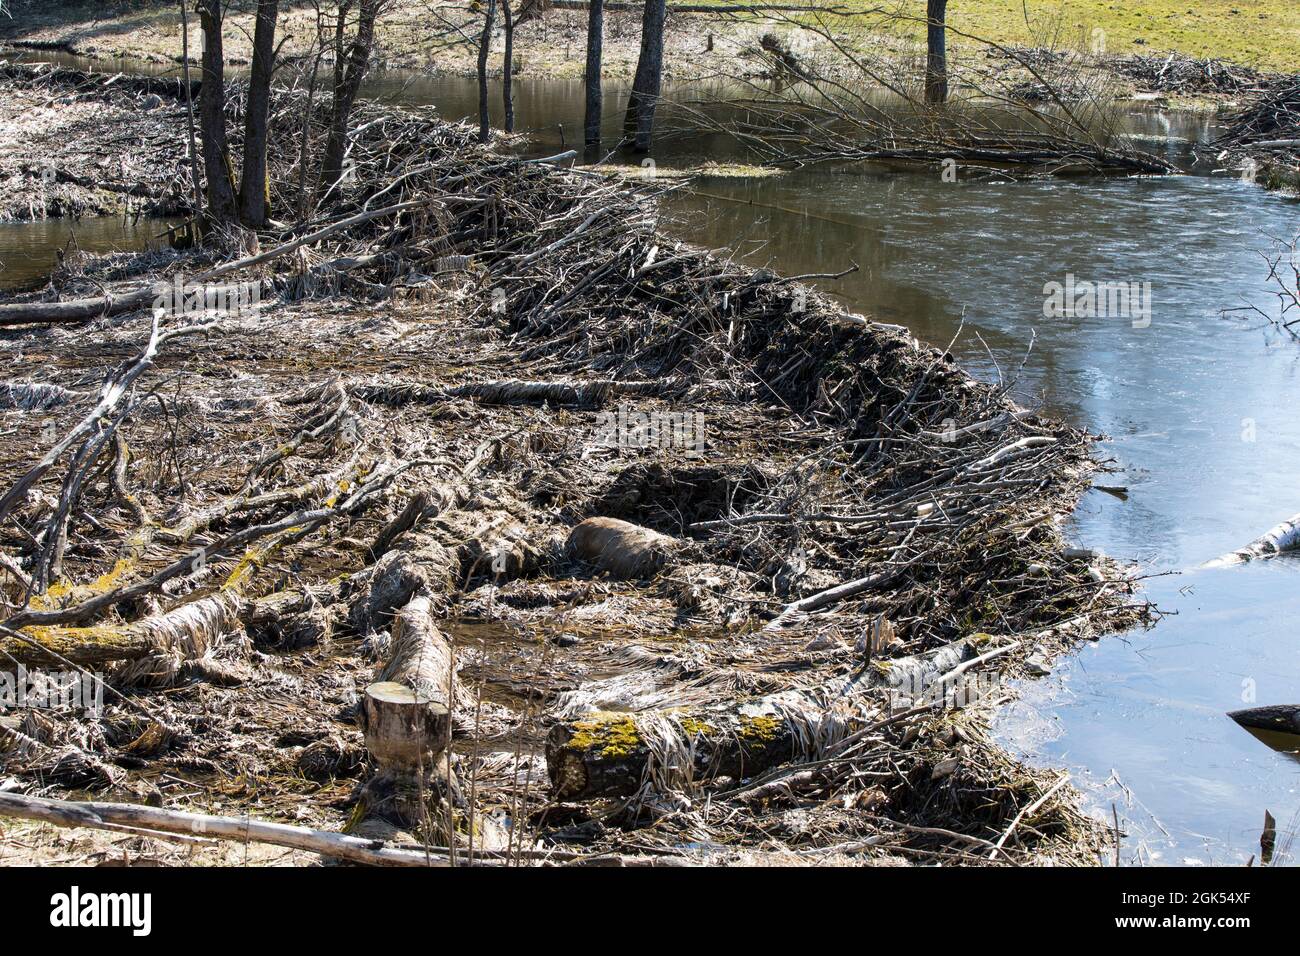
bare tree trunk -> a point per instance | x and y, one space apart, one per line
349 69
936 60
189 109
508 93
253 199
595 43
305 139
639 122
484 44
212 116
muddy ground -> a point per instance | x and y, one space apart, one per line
435 423
68 155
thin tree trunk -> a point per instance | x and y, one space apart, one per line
253 200
348 73
484 43
639 122
212 116
306 138
508 93
936 59
189 110
595 43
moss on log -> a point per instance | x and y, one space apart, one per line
609 754
188 630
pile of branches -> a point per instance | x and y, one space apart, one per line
1271 117
1182 74
116 144
1175 73
1265 133
793 135
998 123
869 524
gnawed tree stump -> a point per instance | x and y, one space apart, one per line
622 549
406 712
406 731
406 715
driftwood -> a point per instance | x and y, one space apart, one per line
1282 537
110 816
621 548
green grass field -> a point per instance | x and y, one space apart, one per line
1259 33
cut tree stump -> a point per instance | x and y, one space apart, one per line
406 712
405 730
406 715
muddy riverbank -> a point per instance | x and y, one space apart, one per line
426 408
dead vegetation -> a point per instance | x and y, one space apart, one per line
242 519
1264 135
70 151
1036 112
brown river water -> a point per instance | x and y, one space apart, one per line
1201 410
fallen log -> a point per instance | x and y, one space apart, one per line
188 630
614 754
421 565
622 549
106 816
1282 537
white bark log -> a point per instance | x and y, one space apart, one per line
111 815
1283 537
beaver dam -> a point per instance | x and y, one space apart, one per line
479 522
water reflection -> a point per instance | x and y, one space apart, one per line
29 250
